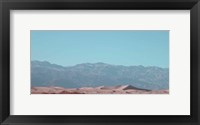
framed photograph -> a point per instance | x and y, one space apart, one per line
98 62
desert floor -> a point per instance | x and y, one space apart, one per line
123 89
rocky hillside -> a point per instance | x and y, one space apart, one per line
98 74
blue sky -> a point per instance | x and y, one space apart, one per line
122 47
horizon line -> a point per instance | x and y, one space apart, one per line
99 62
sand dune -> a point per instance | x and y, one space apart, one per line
122 89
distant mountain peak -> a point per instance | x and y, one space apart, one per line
92 64
36 63
101 63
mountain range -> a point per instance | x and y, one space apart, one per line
44 73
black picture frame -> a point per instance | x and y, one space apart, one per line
7 5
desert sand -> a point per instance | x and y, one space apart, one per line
121 89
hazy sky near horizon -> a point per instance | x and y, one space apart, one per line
118 47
